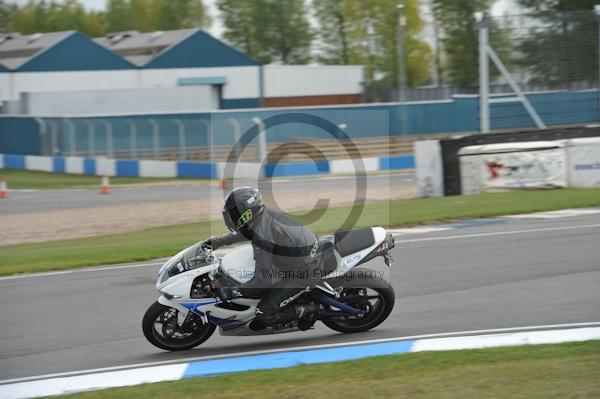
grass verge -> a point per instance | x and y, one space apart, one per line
167 240
539 371
28 179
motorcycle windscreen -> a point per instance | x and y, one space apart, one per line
190 258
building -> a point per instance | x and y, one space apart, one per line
66 73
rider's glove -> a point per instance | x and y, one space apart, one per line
207 244
227 293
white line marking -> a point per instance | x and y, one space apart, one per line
556 214
418 230
499 233
71 271
302 348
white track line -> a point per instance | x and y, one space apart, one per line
303 348
498 233
86 270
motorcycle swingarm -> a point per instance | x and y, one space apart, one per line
332 302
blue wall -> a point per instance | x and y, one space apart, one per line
461 114
19 136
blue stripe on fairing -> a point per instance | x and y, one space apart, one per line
58 164
14 161
397 162
291 359
127 168
89 166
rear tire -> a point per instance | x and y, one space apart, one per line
378 311
171 337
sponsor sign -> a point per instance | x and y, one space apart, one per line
524 169
512 165
584 162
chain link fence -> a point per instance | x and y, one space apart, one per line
547 51
554 54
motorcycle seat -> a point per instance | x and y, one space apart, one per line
352 241
327 261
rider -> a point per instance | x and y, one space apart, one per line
285 254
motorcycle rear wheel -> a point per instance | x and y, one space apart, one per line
374 296
161 329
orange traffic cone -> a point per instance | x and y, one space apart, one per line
223 184
3 189
105 189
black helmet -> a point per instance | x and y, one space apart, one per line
241 206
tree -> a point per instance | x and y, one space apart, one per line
287 34
564 46
178 14
365 32
558 5
7 11
118 16
334 31
461 42
239 20
268 30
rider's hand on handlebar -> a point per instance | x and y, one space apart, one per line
207 244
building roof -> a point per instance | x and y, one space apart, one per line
56 51
16 49
182 48
70 51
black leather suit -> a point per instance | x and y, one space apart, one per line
285 254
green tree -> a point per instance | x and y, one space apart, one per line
239 20
365 32
177 14
268 30
7 11
119 16
334 31
143 15
558 5
564 46
460 38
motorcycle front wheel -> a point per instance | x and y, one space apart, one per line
160 327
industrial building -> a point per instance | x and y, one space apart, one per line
66 73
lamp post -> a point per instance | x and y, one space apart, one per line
484 105
401 67
597 14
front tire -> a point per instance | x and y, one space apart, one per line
372 295
161 329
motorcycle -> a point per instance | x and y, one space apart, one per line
346 298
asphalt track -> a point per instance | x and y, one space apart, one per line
498 275
28 201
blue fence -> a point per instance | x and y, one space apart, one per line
23 135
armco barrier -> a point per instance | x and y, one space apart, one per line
202 170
